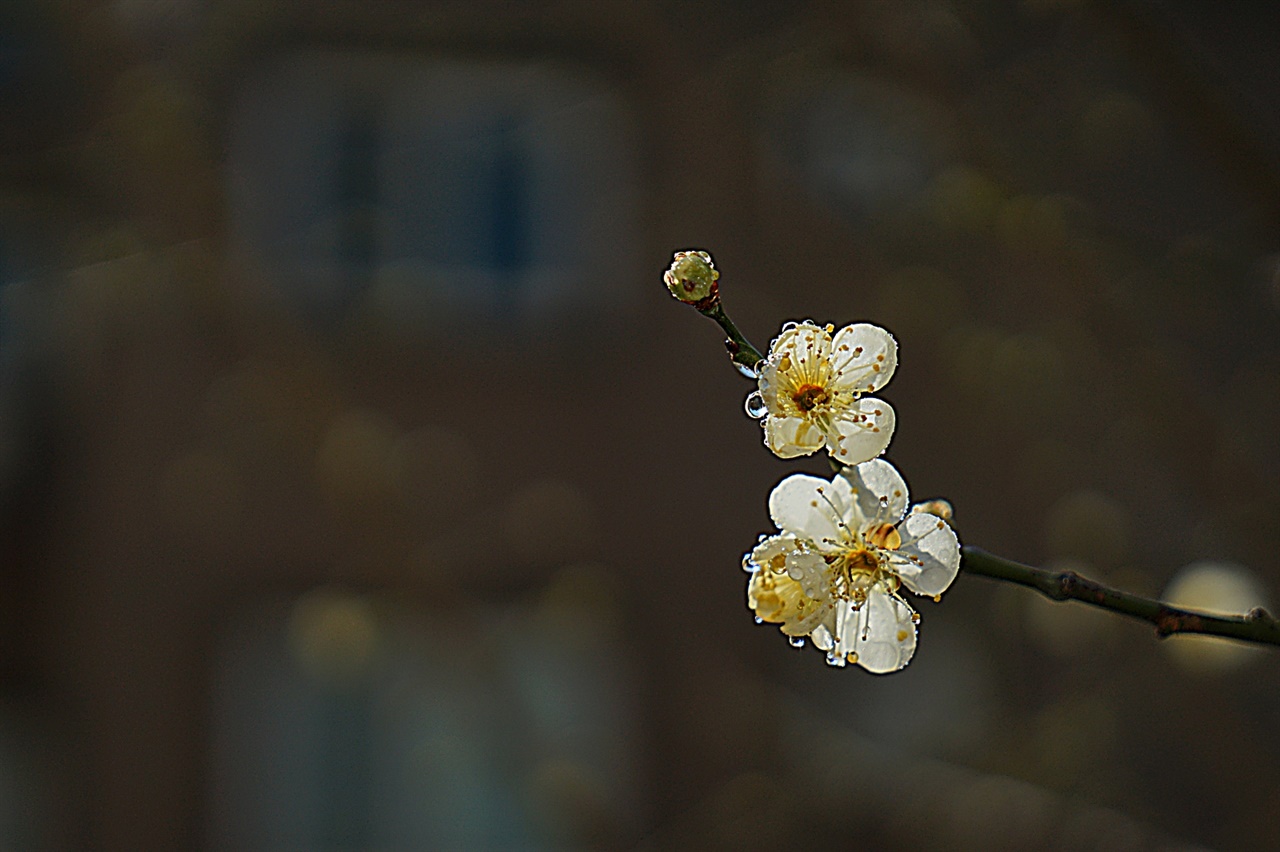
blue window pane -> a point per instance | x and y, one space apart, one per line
455 195
356 174
508 200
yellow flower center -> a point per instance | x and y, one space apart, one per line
808 397
861 567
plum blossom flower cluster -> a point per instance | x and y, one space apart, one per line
845 550
846 547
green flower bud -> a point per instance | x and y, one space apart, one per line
692 276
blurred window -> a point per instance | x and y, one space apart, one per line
351 722
861 145
434 193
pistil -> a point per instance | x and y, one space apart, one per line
808 397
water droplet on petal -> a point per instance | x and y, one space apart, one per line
755 406
796 641
749 372
759 620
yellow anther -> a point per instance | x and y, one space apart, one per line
885 536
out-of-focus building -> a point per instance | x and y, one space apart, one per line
363 488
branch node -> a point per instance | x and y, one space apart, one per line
1067 583
1170 621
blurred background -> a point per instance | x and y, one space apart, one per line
362 487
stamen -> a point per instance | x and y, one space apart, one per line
834 511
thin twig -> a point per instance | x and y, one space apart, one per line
740 349
1255 626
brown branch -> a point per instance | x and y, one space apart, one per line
1255 626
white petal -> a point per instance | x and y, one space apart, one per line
811 622
882 633
843 502
767 380
805 347
863 357
789 437
781 554
862 432
823 635
762 554
799 505
879 493
929 540
809 570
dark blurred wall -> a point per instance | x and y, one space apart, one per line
363 488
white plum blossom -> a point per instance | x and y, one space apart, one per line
812 386
843 551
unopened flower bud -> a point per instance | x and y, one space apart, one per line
938 507
692 276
